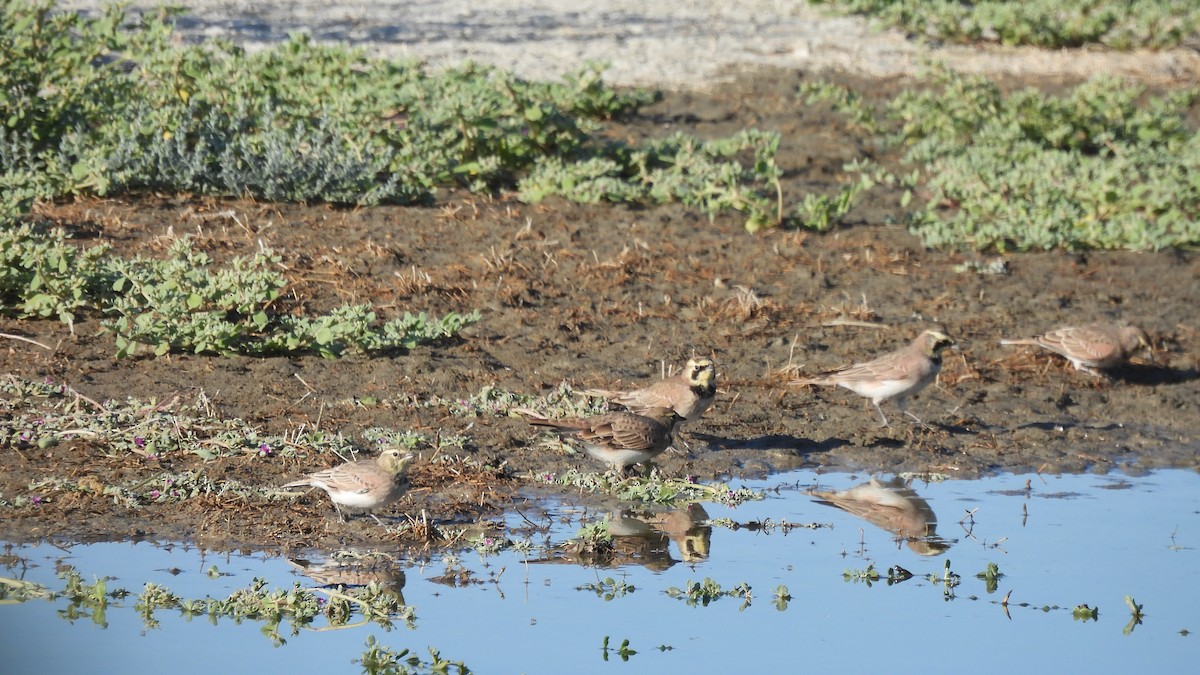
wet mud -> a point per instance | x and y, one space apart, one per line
611 296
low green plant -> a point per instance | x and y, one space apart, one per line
184 302
46 413
653 489
608 588
415 441
180 304
484 544
868 576
991 577
948 580
256 602
1101 166
42 275
701 593
379 659
130 110
679 168
1085 613
767 525
1053 24
623 651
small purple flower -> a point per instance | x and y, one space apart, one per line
24 437
155 494
139 441
36 500
264 449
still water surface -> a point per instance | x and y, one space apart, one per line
1060 542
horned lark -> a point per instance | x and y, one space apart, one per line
689 393
619 439
896 375
1092 348
366 484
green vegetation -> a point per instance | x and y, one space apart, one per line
92 107
991 577
948 579
1085 613
623 651
45 414
652 489
181 303
1053 24
1101 166
701 593
256 602
608 588
382 660
87 107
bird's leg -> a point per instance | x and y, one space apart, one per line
903 403
881 416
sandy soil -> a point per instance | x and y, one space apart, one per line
609 296
678 45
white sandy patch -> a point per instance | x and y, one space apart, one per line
684 44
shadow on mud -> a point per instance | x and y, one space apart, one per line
1153 375
793 445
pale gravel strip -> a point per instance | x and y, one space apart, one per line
680 45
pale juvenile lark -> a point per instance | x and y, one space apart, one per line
1093 348
896 375
689 393
619 439
367 484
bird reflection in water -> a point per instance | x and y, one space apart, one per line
644 538
893 506
354 570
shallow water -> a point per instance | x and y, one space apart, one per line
1059 541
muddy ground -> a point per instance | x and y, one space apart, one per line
606 296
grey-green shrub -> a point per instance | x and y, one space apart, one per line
1100 166
184 302
1054 24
